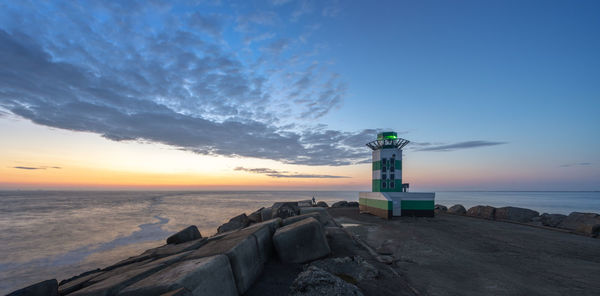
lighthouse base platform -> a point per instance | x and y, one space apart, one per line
395 204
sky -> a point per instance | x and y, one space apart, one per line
284 95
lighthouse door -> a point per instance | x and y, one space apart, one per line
397 208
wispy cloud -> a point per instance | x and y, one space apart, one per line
457 146
166 81
576 164
35 168
285 174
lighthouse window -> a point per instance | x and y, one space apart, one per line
383 176
392 176
392 169
383 164
384 184
392 184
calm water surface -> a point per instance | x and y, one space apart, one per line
56 234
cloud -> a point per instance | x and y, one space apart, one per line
165 82
576 164
36 168
285 174
457 146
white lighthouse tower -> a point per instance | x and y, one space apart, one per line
389 196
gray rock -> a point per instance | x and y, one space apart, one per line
515 214
45 288
241 247
237 222
72 285
305 203
386 259
457 210
316 281
294 219
324 216
386 248
322 204
582 223
186 235
352 204
204 276
355 268
272 223
284 209
340 204
265 214
256 217
485 212
440 209
552 220
301 242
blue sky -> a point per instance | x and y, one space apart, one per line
504 94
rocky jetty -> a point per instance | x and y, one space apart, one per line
227 263
579 223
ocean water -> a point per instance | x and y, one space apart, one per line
59 234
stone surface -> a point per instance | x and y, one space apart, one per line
45 288
355 268
266 214
457 210
272 223
204 276
440 209
340 204
301 242
284 209
485 212
386 248
305 203
186 235
256 217
316 281
582 223
552 220
322 204
241 247
294 219
237 222
515 214
324 216
76 284
352 204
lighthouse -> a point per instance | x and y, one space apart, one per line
389 196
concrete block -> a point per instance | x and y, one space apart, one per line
301 242
324 216
266 214
305 203
204 276
294 219
284 209
186 235
241 248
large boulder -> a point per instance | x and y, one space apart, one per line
256 217
457 210
582 223
266 214
485 212
440 209
45 288
301 242
77 282
552 220
316 281
294 219
237 222
284 209
340 204
353 204
515 214
204 276
305 203
242 249
324 217
322 204
186 235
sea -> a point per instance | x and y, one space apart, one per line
59 234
